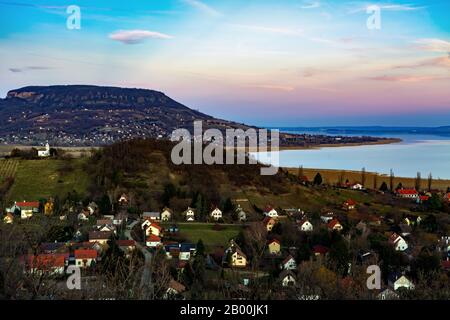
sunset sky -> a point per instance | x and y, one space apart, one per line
262 62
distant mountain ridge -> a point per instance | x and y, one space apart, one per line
93 115
441 130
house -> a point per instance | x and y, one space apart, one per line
422 199
387 294
274 246
85 258
349 205
107 228
357 186
412 220
189 214
407 193
327 217
287 278
126 245
289 263
234 256
447 197
186 250
397 281
119 218
53 248
335 225
8 218
174 290
44 153
82 216
26 208
320 250
270 212
166 214
123 200
216 214
48 207
153 241
398 242
101 237
445 265
305 226
46 263
152 228
241 215
92 207
153 216
269 223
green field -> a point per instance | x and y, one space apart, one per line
36 179
210 237
8 168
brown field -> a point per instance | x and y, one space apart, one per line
332 176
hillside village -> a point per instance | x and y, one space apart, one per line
237 248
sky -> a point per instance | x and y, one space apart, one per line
261 62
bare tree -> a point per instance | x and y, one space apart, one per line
430 181
418 181
391 180
363 176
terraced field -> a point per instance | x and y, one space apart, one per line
8 168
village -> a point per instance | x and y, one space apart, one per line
269 244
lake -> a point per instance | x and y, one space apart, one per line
416 153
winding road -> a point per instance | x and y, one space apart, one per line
146 280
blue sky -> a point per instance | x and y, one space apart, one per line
266 62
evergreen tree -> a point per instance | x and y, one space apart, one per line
318 179
384 187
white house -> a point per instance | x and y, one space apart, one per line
287 278
152 228
357 186
242 216
189 214
387 294
270 212
305 226
85 258
289 263
398 242
26 208
216 214
166 214
397 281
82 217
46 152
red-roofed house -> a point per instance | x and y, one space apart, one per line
27 208
335 225
320 250
153 241
289 263
269 223
447 197
398 242
305 226
152 228
51 263
269 211
407 193
348 205
85 258
126 245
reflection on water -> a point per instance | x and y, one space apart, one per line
416 153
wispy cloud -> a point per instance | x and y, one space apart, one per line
203 7
272 87
387 7
434 62
405 78
310 4
276 30
22 69
136 36
434 45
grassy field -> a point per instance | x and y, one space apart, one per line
210 237
36 179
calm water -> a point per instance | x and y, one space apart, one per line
423 153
